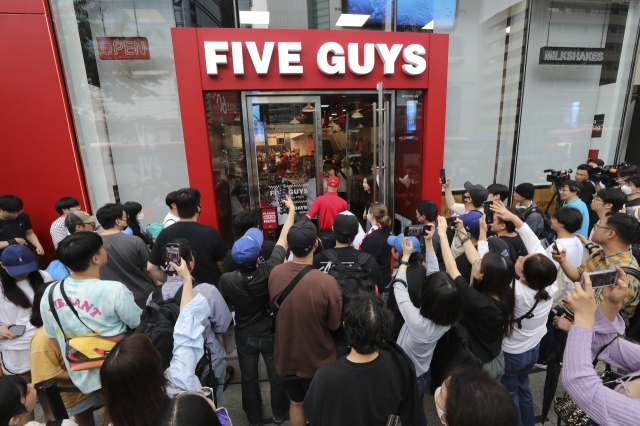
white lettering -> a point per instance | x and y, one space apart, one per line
600 56
548 55
260 64
388 56
212 59
412 55
369 60
140 47
288 53
337 60
105 48
117 45
128 48
238 60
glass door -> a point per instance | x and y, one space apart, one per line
284 148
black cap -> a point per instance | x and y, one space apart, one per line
346 225
526 190
498 245
478 193
302 237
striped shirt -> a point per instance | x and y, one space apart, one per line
58 231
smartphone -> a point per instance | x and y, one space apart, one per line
488 213
443 177
417 231
556 248
606 278
563 311
173 254
451 220
18 330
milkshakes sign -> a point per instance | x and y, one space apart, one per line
571 55
257 59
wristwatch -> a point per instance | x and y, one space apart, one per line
465 239
12 242
404 262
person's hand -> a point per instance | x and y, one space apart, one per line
5 334
442 226
364 214
289 203
428 234
446 183
558 257
459 226
583 303
483 223
561 323
618 293
582 238
21 241
182 270
501 211
40 250
407 247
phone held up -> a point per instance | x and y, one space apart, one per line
451 221
417 231
488 213
443 177
17 330
606 278
172 252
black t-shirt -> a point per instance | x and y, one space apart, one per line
464 266
266 250
587 192
416 274
373 390
203 239
16 228
482 316
376 245
517 244
251 318
349 255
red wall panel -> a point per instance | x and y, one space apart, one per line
40 158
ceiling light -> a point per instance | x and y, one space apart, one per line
294 121
351 20
249 17
237 118
508 30
333 113
429 26
309 108
324 106
360 126
356 114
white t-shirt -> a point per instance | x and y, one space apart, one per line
169 220
12 314
574 249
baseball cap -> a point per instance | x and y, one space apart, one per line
395 241
302 237
18 260
526 190
333 181
478 193
246 250
78 218
471 222
346 225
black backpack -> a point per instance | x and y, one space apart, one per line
353 279
546 219
633 329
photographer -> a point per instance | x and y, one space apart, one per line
569 191
595 330
596 163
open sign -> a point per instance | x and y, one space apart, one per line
110 48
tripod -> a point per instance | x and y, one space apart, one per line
556 197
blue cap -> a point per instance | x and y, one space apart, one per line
18 260
395 241
246 250
471 221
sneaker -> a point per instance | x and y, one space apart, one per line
541 366
278 420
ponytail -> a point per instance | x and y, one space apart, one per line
542 295
379 212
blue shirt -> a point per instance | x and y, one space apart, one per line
582 207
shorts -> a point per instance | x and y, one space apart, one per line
86 404
16 361
296 387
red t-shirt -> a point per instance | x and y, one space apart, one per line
327 207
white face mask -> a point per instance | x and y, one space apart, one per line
438 409
625 189
140 216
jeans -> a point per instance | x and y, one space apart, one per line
424 382
249 350
220 371
516 379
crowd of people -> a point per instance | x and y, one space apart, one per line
353 323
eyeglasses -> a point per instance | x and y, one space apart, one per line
597 199
597 225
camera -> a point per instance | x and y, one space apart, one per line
607 175
558 176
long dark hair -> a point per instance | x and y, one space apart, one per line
13 293
498 280
12 390
186 410
539 272
132 209
133 383
368 196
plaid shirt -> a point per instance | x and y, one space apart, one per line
599 262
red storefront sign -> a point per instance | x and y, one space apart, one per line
269 218
120 48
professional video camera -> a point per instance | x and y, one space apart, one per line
558 176
607 175
282 190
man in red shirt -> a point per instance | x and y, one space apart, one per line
327 207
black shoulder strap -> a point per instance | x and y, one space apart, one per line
156 296
595 360
290 287
332 256
631 271
245 286
52 306
528 315
73 309
362 259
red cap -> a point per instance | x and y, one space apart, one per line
333 181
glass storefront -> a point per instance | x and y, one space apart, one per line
509 114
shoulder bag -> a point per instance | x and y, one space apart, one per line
292 284
82 352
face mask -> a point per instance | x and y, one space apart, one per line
140 216
625 189
435 398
